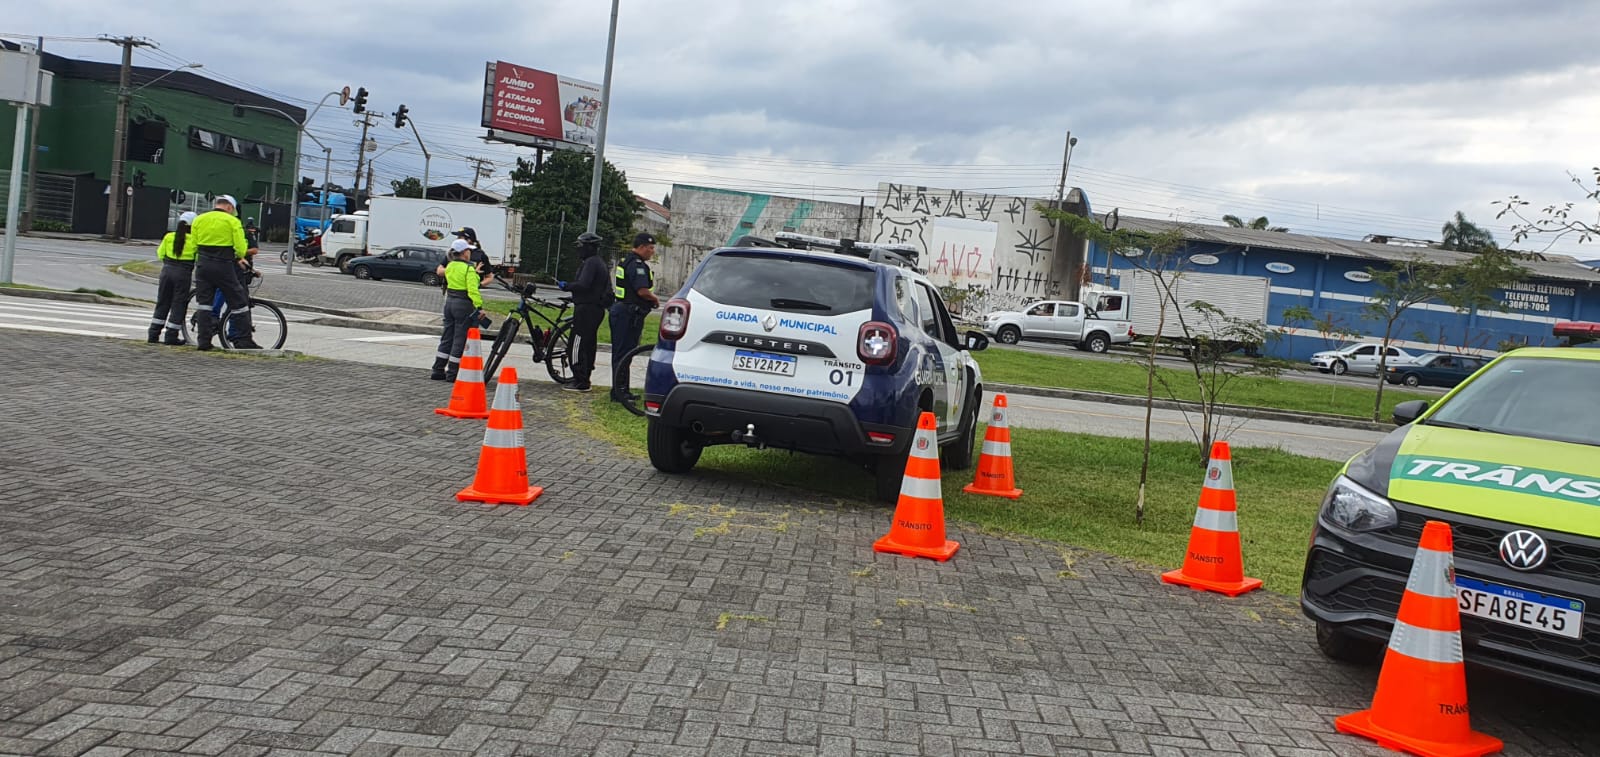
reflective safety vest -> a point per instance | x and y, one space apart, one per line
461 277
627 287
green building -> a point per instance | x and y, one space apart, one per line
186 143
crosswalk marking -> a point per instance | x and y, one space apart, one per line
54 330
57 317
17 311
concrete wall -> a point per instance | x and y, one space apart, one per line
704 219
1022 263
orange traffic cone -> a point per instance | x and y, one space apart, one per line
502 464
994 465
1421 703
1215 561
918 528
468 397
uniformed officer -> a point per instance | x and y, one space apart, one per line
476 257
590 294
463 306
634 290
177 275
220 248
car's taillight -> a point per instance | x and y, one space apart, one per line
876 343
878 437
674 319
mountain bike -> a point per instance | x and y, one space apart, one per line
552 346
270 328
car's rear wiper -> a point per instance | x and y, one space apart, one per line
784 302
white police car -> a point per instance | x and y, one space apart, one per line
816 345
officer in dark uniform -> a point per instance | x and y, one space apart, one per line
478 259
591 292
634 286
221 248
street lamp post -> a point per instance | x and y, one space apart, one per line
600 138
299 142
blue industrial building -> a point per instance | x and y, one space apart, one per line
1329 276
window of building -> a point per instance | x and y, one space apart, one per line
147 141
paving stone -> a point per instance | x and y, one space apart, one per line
198 558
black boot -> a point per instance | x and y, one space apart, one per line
206 328
174 338
155 334
438 369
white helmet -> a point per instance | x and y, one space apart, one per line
187 217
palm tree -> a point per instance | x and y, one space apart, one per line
1260 223
1466 236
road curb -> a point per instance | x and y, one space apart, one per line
1316 419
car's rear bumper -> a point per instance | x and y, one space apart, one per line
1355 581
726 415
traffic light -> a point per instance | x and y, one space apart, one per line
361 100
400 117
139 179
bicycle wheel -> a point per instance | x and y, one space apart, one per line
498 349
271 329
622 377
558 354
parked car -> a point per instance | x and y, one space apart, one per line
827 347
407 263
1064 321
1435 369
1358 358
1509 461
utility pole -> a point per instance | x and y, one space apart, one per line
119 140
477 169
1074 264
33 150
600 138
361 158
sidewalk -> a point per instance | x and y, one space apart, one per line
330 596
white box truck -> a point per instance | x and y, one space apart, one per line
1242 297
391 222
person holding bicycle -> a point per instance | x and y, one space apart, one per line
463 307
591 293
221 247
176 254
247 276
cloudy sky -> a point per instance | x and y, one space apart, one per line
1336 118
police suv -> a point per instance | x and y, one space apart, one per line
1511 460
824 346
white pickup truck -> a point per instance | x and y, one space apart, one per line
1092 328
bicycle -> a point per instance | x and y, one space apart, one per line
270 330
552 346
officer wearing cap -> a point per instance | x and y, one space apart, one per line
463 306
633 288
220 248
176 254
591 292
478 259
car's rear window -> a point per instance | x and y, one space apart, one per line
793 284
1543 398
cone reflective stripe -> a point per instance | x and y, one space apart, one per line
1421 703
467 397
502 462
918 526
1214 560
995 476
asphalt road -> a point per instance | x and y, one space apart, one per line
417 350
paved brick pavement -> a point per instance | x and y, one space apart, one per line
333 598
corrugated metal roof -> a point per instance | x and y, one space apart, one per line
1344 248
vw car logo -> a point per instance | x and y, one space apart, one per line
1523 550
769 323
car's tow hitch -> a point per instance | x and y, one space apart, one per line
748 437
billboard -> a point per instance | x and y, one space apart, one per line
534 103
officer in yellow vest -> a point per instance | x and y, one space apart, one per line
176 254
463 307
220 251
634 289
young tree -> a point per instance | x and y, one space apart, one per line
1559 220
1414 281
410 186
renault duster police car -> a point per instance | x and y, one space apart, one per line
823 346
1511 460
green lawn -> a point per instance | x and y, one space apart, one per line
1008 366
502 308
142 267
1078 490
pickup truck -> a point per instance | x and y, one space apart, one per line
1085 327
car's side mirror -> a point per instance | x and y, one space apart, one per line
1407 412
976 341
